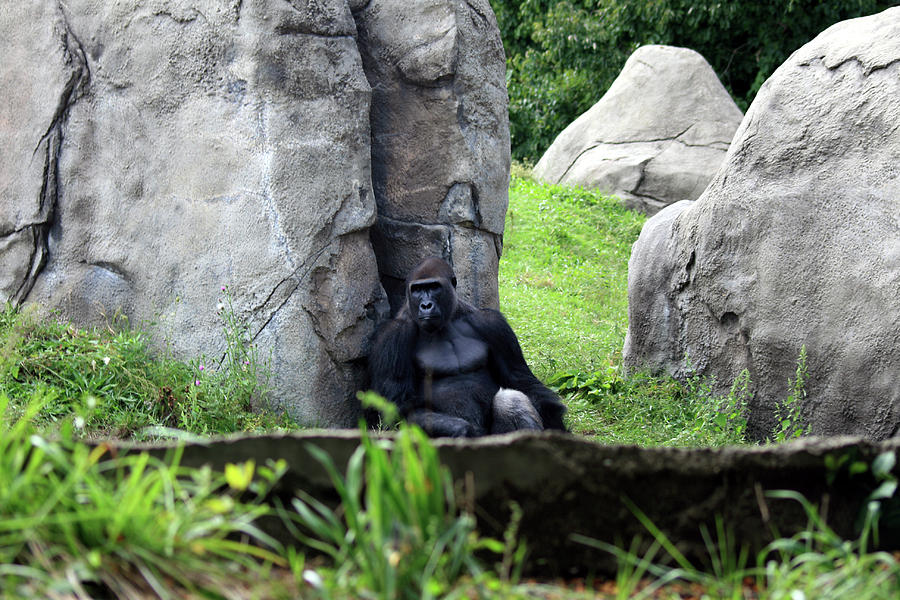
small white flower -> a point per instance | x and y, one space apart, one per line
91 402
105 360
79 423
313 578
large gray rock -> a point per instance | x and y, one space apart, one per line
656 137
796 242
440 139
156 151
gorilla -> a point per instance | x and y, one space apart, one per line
456 370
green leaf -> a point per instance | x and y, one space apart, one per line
858 467
884 491
883 465
239 476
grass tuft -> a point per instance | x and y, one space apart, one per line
108 383
84 521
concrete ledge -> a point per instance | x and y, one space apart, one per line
566 484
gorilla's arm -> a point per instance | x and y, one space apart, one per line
391 369
509 366
441 425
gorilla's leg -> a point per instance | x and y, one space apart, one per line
513 411
441 425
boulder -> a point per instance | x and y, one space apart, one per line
155 152
795 243
440 139
656 137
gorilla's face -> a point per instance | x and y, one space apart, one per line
431 303
431 294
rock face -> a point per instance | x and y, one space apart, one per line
157 151
440 139
796 242
656 137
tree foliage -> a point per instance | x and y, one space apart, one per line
562 56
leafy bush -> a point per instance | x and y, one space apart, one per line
563 56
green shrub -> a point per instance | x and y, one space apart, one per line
563 56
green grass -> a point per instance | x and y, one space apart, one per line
564 275
813 564
78 521
400 532
108 383
564 289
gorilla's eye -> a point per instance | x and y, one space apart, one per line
431 286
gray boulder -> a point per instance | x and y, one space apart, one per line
656 137
440 139
157 151
796 242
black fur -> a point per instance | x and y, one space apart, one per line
443 373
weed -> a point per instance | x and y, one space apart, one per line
788 414
817 563
721 419
223 393
654 410
814 563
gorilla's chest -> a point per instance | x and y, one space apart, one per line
453 352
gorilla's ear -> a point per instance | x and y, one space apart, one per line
453 280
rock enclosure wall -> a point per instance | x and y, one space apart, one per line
156 151
796 242
440 139
568 485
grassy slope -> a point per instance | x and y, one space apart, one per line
563 276
563 287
